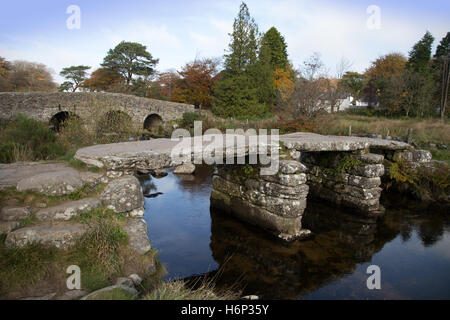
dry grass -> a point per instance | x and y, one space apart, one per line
178 290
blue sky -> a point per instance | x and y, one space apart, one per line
177 31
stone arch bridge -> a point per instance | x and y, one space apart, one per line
55 107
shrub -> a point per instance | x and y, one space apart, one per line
27 139
189 118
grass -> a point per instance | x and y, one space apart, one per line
34 199
178 290
102 253
115 294
424 131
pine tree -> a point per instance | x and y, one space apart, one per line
420 55
273 40
237 94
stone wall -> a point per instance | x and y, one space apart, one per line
350 179
44 105
275 203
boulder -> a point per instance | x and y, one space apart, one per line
185 169
135 278
108 293
60 236
137 232
6 227
14 213
123 195
61 182
67 210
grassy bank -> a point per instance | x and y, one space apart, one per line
424 131
102 253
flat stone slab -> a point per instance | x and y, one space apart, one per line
157 153
312 142
57 182
60 236
11 174
66 211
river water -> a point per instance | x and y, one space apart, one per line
412 248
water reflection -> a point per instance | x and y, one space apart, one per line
413 251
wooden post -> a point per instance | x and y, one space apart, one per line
349 130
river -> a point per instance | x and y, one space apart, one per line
411 247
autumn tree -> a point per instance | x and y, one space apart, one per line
380 72
196 83
31 76
164 85
103 79
5 75
130 59
75 76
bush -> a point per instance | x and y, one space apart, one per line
27 139
189 118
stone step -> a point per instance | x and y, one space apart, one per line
6 227
56 183
11 213
60 236
66 211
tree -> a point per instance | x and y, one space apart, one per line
353 83
75 76
380 72
5 75
165 85
130 59
238 93
277 46
442 74
420 55
103 79
419 78
309 97
283 84
30 76
196 83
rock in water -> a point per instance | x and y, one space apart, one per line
185 169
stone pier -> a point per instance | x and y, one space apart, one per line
350 179
274 202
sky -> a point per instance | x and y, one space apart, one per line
178 31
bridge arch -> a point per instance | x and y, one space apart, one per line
153 122
57 120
